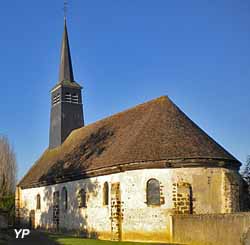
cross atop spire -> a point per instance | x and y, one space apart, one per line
65 8
66 70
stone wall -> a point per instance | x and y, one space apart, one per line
183 198
211 229
231 187
128 216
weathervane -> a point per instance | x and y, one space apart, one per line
65 8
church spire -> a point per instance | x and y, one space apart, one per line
66 99
66 70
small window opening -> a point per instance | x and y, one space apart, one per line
82 199
56 99
75 99
38 202
68 97
64 199
106 194
153 192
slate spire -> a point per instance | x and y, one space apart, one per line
66 70
66 99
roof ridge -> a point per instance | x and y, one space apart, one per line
161 98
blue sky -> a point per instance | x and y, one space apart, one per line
125 53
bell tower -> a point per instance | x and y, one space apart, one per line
66 99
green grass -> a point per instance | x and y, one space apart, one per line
68 240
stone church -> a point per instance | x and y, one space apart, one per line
123 177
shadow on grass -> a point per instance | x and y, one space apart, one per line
35 238
44 238
71 240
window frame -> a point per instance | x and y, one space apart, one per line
153 199
38 202
56 99
105 194
82 198
64 196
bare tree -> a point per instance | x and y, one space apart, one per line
245 173
8 168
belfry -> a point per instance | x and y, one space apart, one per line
148 173
66 99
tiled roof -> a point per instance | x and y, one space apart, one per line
153 132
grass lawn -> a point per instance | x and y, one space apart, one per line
68 240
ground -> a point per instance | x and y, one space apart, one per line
39 238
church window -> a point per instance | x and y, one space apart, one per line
38 202
106 194
56 99
153 192
82 199
56 198
64 199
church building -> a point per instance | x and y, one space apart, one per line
123 177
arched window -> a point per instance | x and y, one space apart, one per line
153 192
56 198
106 194
64 199
38 202
82 199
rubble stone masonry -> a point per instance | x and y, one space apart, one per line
127 216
